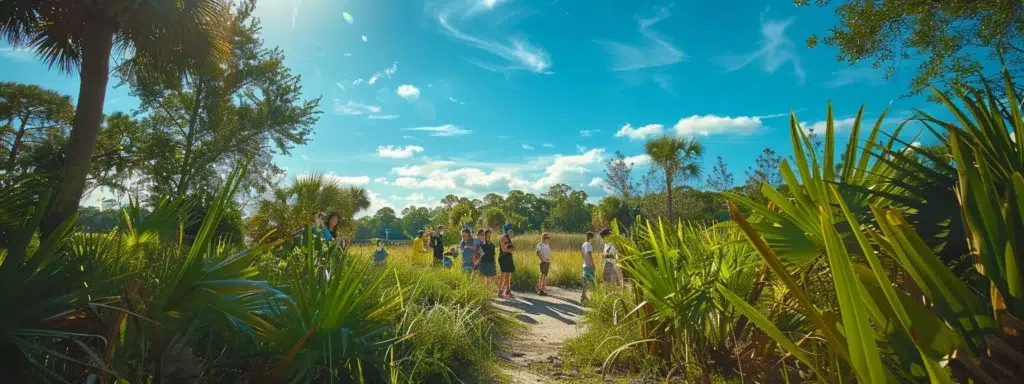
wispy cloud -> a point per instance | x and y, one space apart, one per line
394 152
442 130
386 72
547 145
382 117
20 54
452 99
775 51
364 38
528 147
517 52
640 133
640 159
353 108
408 92
340 85
655 51
588 132
847 76
296 4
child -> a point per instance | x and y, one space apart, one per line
486 265
506 262
544 255
380 254
469 248
589 271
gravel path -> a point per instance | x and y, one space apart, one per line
549 320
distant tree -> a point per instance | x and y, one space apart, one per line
493 218
532 208
765 171
30 116
950 39
569 210
618 176
449 201
612 207
388 224
720 178
678 159
415 219
460 215
161 36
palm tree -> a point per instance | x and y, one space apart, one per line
78 36
677 158
289 209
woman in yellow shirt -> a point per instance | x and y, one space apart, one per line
418 251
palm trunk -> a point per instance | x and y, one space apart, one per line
9 166
671 214
97 42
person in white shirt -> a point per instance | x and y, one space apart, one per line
544 254
589 271
612 274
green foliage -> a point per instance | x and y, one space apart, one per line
494 217
678 159
950 39
285 210
569 210
31 115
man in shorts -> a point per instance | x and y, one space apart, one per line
437 245
544 255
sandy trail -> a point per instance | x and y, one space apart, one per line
549 320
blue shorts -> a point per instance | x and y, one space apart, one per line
589 275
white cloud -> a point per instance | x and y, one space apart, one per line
20 54
641 133
394 152
408 91
563 166
548 145
340 85
442 130
847 76
845 124
595 182
527 147
705 125
386 72
640 159
382 117
364 38
376 203
358 81
452 99
380 180
344 180
296 4
517 53
588 132
580 148
354 108
776 50
655 51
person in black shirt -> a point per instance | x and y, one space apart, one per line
437 245
486 266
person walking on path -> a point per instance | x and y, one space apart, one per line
418 248
469 248
486 265
544 255
589 271
506 262
437 245
612 273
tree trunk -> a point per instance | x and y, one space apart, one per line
97 41
9 166
186 167
671 214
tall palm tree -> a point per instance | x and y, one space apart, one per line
678 158
79 36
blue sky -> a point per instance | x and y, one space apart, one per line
468 97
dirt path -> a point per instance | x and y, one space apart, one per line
549 320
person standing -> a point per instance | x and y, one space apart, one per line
506 262
437 245
486 265
612 274
418 250
331 229
544 255
469 249
380 255
589 271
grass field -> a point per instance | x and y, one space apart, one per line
566 259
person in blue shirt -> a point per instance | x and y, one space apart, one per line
469 247
331 229
380 255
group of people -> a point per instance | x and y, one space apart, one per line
480 255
